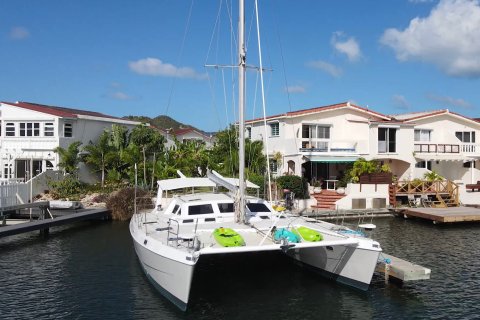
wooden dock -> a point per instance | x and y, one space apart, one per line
442 215
402 270
43 224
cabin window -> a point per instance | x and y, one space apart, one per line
68 130
10 129
257 207
226 207
274 129
200 209
48 129
387 140
466 136
175 209
422 135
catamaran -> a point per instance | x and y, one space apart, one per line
181 229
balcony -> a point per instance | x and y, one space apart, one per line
462 148
329 147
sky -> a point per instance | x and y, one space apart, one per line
148 57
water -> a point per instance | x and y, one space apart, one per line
90 271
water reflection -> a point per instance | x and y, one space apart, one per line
90 271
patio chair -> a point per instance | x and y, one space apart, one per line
412 203
426 202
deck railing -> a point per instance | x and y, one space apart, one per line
438 188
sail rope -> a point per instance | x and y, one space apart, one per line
179 57
263 103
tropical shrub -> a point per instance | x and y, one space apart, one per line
69 187
296 184
121 202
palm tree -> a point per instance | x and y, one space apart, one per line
69 157
101 155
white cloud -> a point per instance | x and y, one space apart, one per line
326 67
400 102
349 47
448 38
295 89
156 67
449 101
118 95
19 33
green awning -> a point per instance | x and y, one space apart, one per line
330 159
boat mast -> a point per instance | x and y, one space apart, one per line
241 107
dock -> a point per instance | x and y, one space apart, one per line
46 219
401 270
442 215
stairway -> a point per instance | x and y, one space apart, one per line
326 199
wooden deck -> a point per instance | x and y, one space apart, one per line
44 224
442 215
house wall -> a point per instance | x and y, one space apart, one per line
40 148
342 122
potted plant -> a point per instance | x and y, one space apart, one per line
317 187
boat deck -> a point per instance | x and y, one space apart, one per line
442 215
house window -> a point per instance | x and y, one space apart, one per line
314 136
248 132
0 128
387 140
422 135
68 130
29 129
10 129
48 129
468 164
465 136
274 129
424 164
273 166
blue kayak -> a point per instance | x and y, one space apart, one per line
285 234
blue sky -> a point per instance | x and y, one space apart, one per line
143 58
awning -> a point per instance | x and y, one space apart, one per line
331 159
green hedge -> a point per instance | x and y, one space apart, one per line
295 184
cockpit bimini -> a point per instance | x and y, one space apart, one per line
173 237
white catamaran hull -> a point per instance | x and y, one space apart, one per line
169 276
350 265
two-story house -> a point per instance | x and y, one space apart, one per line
29 133
192 134
318 143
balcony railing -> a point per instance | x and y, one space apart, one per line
464 148
436 148
329 146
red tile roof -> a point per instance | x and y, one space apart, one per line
436 113
321 109
58 111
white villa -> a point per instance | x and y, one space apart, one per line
29 132
187 134
317 143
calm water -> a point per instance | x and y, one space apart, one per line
90 271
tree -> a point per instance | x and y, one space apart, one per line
69 157
148 140
101 155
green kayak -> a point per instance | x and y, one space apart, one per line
228 237
308 234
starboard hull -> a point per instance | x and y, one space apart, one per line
350 265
